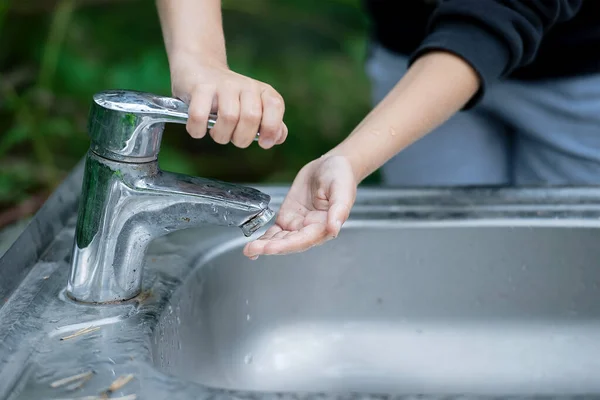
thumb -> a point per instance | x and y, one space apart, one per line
341 198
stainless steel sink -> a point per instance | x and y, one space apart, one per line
487 306
430 294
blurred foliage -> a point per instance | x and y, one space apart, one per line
54 55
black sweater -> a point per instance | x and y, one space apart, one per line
517 39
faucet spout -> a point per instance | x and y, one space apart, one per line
191 201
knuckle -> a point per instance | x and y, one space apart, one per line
204 88
252 85
228 83
274 100
252 114
197 115
229 116
268 88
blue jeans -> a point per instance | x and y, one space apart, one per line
522 133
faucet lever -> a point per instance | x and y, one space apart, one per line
127 125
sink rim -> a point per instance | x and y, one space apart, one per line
355 221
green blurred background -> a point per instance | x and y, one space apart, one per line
54 55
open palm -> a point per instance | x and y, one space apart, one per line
313 211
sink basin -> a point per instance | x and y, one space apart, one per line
451 306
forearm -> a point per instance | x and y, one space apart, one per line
435 87
192 28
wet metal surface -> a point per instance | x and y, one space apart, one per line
433 293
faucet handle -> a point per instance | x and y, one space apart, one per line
127 125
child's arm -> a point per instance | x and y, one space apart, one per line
436 86
200 76
193 27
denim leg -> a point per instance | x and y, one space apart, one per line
557 129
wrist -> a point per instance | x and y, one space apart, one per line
180 58
359 170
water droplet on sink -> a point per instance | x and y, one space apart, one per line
247 302
248 359
248 317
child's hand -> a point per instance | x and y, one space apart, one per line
244 106
313 211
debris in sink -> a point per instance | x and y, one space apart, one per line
80 332
78 385
118 383
65 381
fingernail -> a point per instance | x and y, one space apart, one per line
254 258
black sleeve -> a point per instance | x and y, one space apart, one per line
494 36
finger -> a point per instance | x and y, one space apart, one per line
272 117
280 235
283 134
341 197
250 117
255 248
304 239
228 114
199 110
272 231
251 249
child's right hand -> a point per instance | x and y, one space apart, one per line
314 210
244 106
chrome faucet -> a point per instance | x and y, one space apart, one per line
127 201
